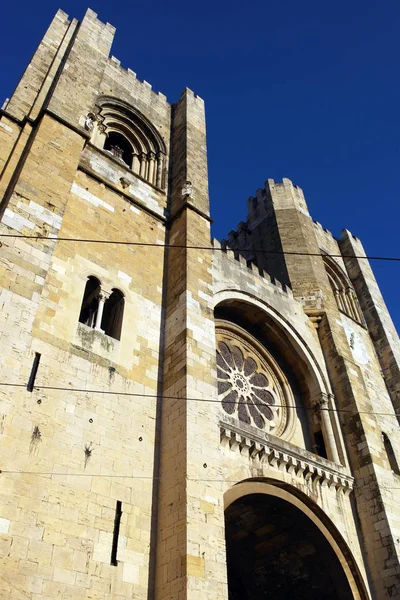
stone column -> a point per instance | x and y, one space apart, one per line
143 165
347 303
135 163
339 300
354 304
160 163
152 159
103 297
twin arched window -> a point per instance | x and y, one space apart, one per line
126 134
345 295
101 310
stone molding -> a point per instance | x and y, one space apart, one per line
287 458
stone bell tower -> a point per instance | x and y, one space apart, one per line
180 419
335 284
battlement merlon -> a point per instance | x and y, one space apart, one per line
85 48
70 53
235 262
286 195
26 93
274 196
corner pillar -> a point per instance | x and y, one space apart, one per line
190 561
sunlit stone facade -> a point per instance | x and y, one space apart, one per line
180 418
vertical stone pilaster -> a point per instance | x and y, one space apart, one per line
191 540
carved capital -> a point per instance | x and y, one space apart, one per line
104 296
320 401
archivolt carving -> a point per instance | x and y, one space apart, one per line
130 137
251 386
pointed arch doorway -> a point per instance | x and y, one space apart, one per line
278 548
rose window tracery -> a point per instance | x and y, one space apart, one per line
247 387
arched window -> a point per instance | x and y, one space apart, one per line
319 445
344 293
113 313
101 310
390 454
90 302
119 147
123 131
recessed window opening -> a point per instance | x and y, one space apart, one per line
102 310
117 523
113 313
90 302
119 147
34 371
390 454
343 291
319 446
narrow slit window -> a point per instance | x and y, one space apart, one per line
117 523
390 454
34 371
319 446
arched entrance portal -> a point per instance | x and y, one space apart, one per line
277 549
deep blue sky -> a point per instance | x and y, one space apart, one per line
306 90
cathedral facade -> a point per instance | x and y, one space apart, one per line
180 418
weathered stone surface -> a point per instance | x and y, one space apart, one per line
136 420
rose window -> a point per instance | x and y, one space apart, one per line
247 387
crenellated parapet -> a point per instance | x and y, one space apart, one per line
129 79
238 267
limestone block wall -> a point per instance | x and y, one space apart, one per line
135 424
58 527
83 439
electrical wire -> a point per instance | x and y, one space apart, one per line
141 477
210 400
187 247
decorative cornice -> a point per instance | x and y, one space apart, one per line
287 458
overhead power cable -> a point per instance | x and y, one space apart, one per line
142 477
188 247
210 400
